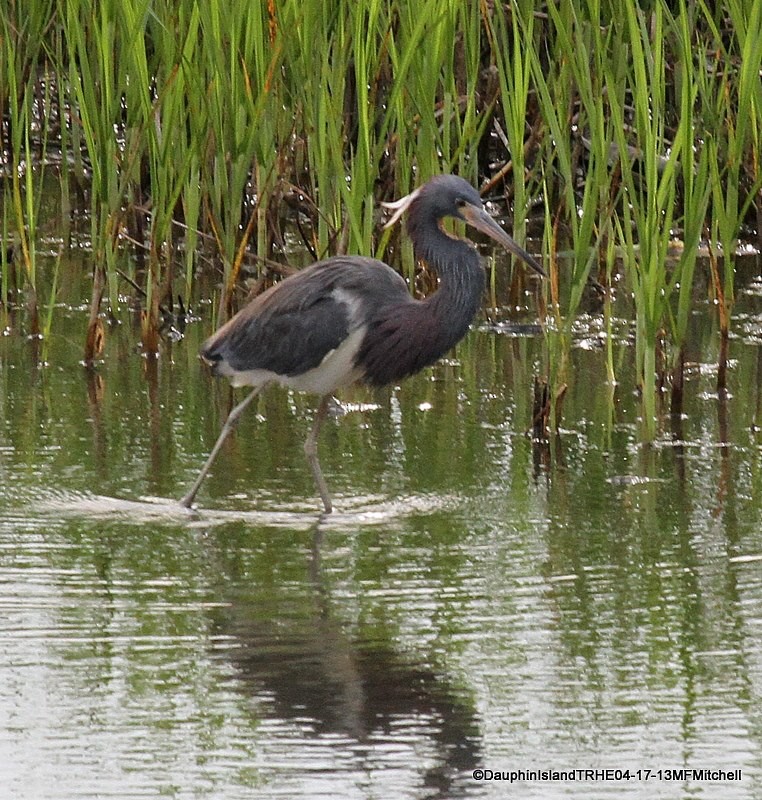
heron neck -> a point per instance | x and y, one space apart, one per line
461 286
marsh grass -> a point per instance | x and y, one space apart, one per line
573 102
632 102
22 59
96 88
732 99
232 129
696 187
649 182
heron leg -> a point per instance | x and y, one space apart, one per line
230 423
310 450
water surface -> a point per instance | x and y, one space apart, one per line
478 602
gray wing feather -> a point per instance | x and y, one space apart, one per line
292 327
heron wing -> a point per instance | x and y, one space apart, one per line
294 325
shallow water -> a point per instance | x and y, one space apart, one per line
476 603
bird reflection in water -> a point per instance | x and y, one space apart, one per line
303 666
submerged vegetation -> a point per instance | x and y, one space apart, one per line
205 140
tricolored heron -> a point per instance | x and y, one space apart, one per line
351 318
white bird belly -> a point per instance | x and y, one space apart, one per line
336 370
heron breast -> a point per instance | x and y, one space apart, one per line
336 370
